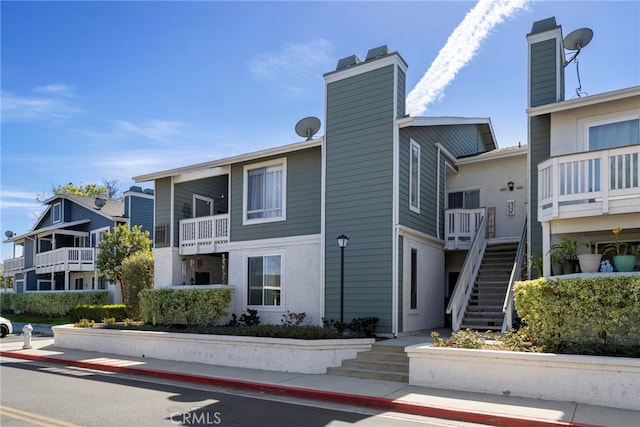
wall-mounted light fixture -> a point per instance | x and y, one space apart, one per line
510 185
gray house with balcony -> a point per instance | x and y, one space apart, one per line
584 155
59 253
265 223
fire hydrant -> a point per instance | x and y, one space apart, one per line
26 335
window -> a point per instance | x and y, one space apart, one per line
97 236
265 192
160 234
264 273
616 134
56 213
464 199
414 279
414 178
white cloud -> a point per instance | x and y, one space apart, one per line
295 68
51 103
459 50
156 130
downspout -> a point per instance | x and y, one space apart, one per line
438 195
395 313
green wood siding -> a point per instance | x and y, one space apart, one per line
543 73
303 199
359 191
539 150
459 140
162 188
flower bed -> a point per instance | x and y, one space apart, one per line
274 354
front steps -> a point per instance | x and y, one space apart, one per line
484 309
382 362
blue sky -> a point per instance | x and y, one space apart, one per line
95 91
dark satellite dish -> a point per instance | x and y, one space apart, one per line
308 127
100 202
9 234
576 40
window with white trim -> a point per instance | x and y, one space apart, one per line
469 199
265 193
614 134
414 177
264 277
56 212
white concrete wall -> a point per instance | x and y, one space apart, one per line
491 176
594 380
301 280
430 304
273 354
167 267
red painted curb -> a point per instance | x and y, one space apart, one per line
328 396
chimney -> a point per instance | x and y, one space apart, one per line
546 63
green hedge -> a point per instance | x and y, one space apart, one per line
5 301
581 315
191 306
97 312
52 304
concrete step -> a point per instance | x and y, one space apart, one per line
383 356
377 365
371 374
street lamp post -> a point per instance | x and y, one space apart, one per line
342 243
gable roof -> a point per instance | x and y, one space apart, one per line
485 129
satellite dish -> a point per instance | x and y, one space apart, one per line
308 127
578 39
100 202
9 234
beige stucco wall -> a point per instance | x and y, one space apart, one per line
568 128
490 175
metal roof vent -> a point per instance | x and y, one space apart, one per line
377 52
347 62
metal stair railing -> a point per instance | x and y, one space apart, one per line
516 275
467 277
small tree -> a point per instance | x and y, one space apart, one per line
137 274
115 247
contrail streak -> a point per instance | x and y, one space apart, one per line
459 49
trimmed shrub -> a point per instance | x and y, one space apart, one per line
137 274
5 301
598 315
202 307
55 304
97 312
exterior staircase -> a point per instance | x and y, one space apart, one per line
484 309
382 362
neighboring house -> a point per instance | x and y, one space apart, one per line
584 157
59 252
265 223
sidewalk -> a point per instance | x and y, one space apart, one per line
386 395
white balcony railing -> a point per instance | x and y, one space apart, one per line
589 184
460 227
13 265
200 235
66 259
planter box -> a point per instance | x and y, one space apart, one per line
274 354
593 380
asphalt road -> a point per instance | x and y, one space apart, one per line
36 394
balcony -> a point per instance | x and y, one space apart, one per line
66 259
589 184
13 266
460 227
201 235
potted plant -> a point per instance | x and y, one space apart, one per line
565 252
624 254
589 262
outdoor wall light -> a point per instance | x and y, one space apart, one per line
510 185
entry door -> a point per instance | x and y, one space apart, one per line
202 206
